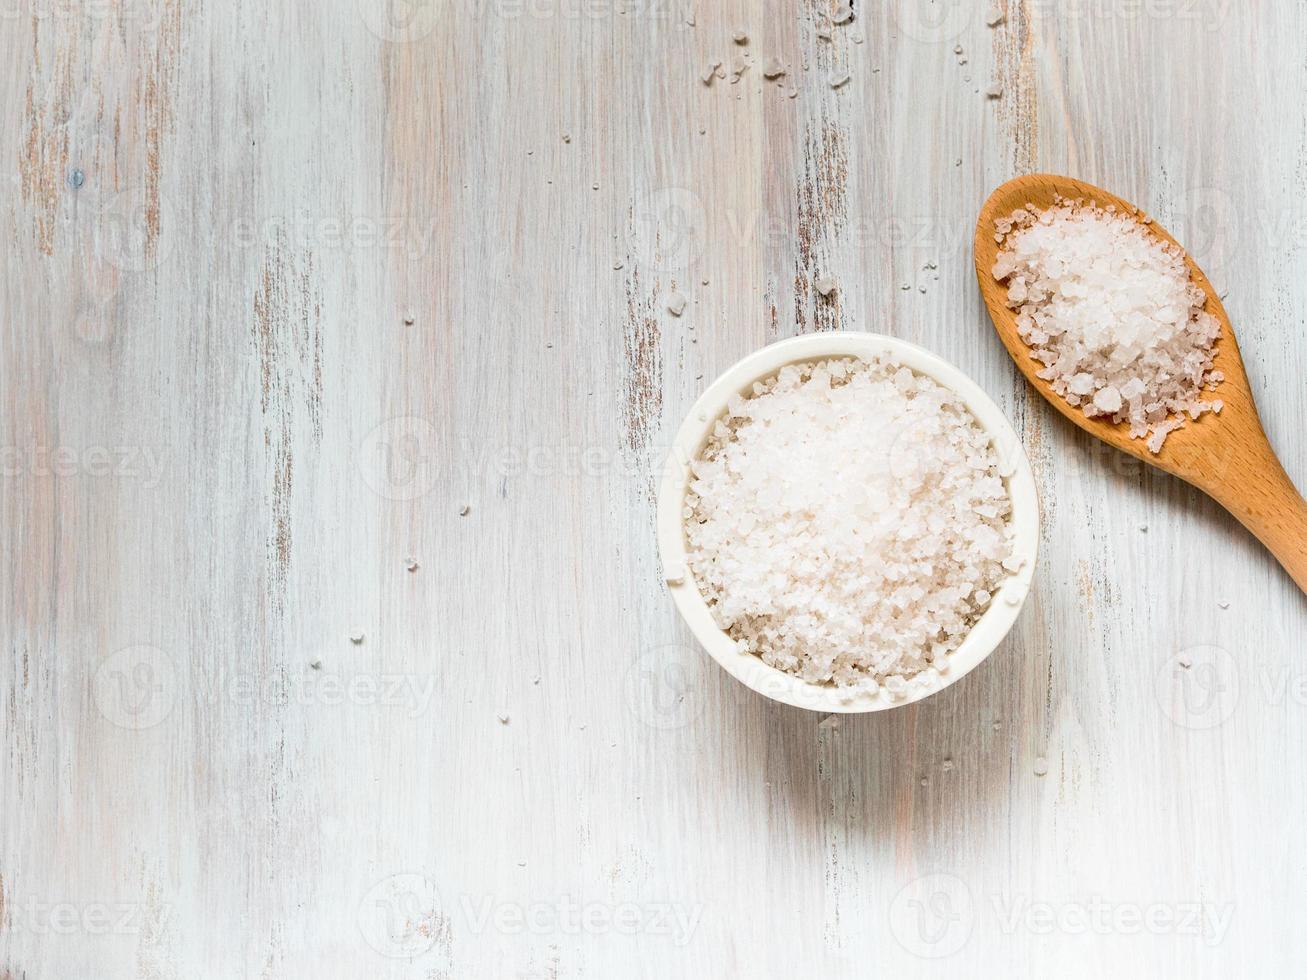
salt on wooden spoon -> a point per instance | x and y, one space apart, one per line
1227 456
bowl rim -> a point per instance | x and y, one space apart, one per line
1014 466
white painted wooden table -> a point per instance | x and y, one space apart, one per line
222 441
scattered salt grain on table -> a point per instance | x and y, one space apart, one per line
1110 310
847 523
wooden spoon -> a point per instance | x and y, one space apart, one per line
1227 456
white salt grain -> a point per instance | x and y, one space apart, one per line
847 523
1110 310
825 285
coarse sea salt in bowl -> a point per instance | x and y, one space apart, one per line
847 680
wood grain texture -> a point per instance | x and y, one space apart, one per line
1229 458
295 294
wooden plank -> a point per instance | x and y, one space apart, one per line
224 441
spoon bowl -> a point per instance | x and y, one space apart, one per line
1227 456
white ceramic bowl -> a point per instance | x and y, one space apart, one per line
984 637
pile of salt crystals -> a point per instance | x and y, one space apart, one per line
1110 310
847 523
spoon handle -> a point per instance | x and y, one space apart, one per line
1267 503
